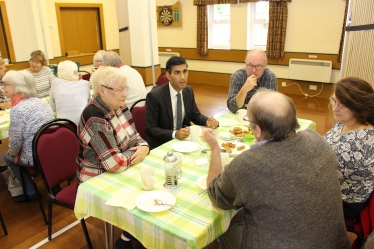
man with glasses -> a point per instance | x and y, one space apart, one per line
286 184
163 120
245 82
135 81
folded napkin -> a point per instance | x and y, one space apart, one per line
124 198
228 122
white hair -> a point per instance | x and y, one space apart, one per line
22 81
68 70
107 76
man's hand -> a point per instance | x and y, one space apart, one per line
140 153
212 123
250 83
182 133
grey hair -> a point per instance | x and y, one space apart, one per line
68 70
107 76
22 81
258 50
111 58
98 56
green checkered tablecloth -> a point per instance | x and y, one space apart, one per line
4 125
194 223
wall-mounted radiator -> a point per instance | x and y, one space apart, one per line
164 57
310 70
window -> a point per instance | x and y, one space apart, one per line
219 25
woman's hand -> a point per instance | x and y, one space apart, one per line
140 153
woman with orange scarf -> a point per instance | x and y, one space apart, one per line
28 113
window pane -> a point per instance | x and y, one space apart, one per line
262 10
221 35
221 12
260 34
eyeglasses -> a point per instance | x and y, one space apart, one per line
250 66
118 90
246 119
334 102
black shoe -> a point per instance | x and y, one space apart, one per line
3 168
21 198
121 244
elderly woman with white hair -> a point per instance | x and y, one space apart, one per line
28 113
107 135
98 59
69 94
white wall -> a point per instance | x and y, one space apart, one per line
27 32
313 27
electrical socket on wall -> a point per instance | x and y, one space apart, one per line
312 87
283 83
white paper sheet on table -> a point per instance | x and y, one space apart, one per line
228 122
124 198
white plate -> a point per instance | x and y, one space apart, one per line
201 181
234 151
186 146
146 201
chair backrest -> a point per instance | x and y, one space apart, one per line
55 149
138 115
365 223
85 75
162 79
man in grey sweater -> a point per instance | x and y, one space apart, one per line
286 184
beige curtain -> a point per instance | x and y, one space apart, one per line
343 32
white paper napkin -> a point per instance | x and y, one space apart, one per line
124 198
228 122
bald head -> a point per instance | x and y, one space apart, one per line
274 113
111 58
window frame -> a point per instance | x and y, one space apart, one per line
212 22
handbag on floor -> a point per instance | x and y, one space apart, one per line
14 186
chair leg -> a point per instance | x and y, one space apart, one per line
3 224
49 220
40 202
86 235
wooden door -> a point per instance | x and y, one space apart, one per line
81 30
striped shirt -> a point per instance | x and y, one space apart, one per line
43 80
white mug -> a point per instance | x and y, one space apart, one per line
147 178
195 133
6 61
240 114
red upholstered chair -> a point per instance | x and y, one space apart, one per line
364 224
138 114
85 75
55 149
3 224
162 79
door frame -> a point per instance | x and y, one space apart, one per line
8 36
79 5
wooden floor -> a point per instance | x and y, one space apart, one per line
24 222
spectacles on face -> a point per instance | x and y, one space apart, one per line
98 61
335 103
118 90
178 73
250 66
35 62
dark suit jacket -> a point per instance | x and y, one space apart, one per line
159 118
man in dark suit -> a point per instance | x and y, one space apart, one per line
162 103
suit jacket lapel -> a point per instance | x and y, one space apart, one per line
169 108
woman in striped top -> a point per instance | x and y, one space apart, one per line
42 74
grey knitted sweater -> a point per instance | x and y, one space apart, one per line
289 192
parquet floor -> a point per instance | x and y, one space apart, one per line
26 227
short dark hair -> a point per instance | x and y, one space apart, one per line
358 96
275 126
175 61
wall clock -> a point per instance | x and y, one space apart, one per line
168 15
